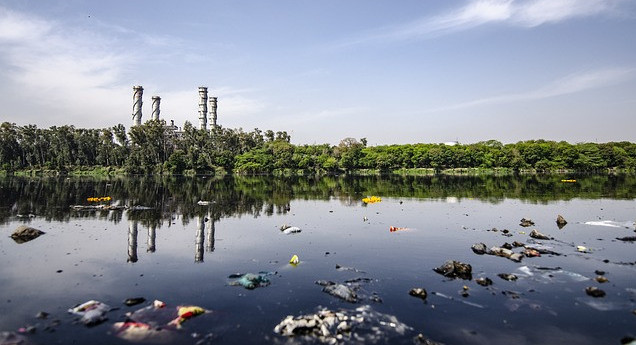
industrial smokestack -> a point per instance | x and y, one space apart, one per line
213 111
203 107
156 102
138 92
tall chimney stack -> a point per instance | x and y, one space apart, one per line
203 107
156 103
213 111
138 92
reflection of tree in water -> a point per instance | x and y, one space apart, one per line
153 202
165 199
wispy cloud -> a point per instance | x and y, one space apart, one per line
74 73
81 74
475 13
570 84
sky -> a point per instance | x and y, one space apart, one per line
393 72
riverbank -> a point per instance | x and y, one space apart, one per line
117 171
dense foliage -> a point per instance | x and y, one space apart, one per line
156 148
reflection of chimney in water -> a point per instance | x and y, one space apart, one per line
132 241
152 234
209 245
198 246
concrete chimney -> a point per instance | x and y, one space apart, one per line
213 111
138 92
203 107
156 102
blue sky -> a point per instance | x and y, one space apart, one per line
393 72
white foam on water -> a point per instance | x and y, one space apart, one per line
611 223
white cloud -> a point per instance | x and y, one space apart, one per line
525 13
538 12
15 27
73 74
570 84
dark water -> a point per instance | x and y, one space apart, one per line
181 253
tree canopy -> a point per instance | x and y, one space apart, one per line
154 147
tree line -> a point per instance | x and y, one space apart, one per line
154 147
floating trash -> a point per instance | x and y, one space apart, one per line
507 276
594 292
155 315
140 208
155 323
99 199
419 293
539 236
526 222
479 248
341 291
139 332
550 275
294 260
455 269
601 279
568 181
371 199
582 249
134 301
350 291
345 268
185 313
561 222
286 229
362 325
483 281
250 280
531 253
92 312
611 224
506 253
102 207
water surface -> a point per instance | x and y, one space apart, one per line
174 250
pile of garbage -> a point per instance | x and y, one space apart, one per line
362 325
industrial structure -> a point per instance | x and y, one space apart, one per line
206 114
213 111
138 92
156 101
203 107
